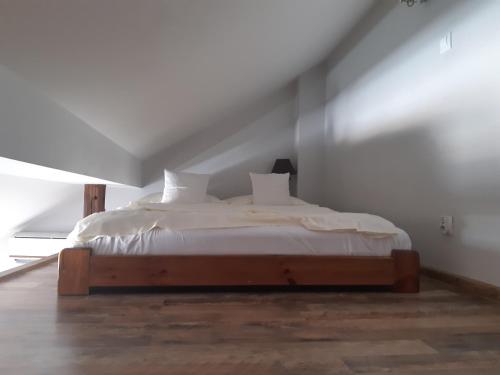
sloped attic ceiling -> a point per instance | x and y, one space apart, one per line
149 73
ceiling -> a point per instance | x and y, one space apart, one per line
148 73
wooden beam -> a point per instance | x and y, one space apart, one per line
94 199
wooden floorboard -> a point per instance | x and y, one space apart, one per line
438 331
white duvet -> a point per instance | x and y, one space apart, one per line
140 217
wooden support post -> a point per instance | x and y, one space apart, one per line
74 269
94 199
406 271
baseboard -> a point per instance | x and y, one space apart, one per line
471 286
27 267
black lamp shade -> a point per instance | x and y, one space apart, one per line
283 166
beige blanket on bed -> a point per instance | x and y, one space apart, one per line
138 218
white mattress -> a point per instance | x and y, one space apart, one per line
264 240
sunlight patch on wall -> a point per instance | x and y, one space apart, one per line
380 102
21 169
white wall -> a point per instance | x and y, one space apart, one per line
247 141
410 135
37 205
309 135
413 134
34 129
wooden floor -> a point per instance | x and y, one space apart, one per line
435 332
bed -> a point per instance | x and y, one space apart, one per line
264 248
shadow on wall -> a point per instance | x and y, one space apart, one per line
248 142
411 178
310 134
412 134
399 36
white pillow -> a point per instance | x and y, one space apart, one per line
245 200
185 187
156 198
271 189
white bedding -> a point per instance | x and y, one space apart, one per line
140 218
222 229
264 240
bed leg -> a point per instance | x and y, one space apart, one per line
74 272
406 271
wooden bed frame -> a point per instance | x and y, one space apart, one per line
79 270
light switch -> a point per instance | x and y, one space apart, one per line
446 43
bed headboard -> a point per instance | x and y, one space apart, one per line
94 199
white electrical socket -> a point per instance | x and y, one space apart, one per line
446 225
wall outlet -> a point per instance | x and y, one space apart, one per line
446 225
